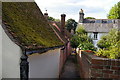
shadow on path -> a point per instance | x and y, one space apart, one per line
70 69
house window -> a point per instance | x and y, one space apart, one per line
109 21
104 21
95 35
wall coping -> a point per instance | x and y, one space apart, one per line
92 56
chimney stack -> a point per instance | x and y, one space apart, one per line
46 15
81 16
63 23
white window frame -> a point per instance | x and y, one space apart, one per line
95 36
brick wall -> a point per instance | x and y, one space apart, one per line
62 60
95 67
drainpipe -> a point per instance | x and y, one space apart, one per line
24 66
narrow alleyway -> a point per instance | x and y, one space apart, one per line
70 69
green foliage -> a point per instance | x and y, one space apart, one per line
85 42
87 46
103 42
110 45
71 24
51 18
80 30
26 21
82 41
89 18
112 53
75 41
57 20
114 12
110 39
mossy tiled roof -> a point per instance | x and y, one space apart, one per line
26 23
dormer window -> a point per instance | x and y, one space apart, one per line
95 37
98 21
104 21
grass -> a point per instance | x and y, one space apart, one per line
27 23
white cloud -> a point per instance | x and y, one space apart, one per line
94 8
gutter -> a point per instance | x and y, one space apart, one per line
41 50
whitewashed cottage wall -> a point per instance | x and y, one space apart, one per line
44 65
11 54
0 40
0 52
100 34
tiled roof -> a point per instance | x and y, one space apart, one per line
27 25
101 21
100 25
97 27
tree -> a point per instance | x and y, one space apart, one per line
80 29
57 20
51 18
71 24
114 12
89 18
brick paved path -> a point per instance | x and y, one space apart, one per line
70 69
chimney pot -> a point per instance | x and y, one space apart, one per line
63 15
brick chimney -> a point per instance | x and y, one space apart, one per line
46 15
63 23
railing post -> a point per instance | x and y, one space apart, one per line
24 67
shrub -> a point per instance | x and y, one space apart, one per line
81 40
87 46
113 53
74 41
110 45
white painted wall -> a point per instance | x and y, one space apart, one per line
0 40
44 65
11 54
0 52
99 37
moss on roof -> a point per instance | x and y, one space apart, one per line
27 24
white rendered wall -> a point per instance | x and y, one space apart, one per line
0 40
99 37
0 53
11 54
44 65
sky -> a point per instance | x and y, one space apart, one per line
92 8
